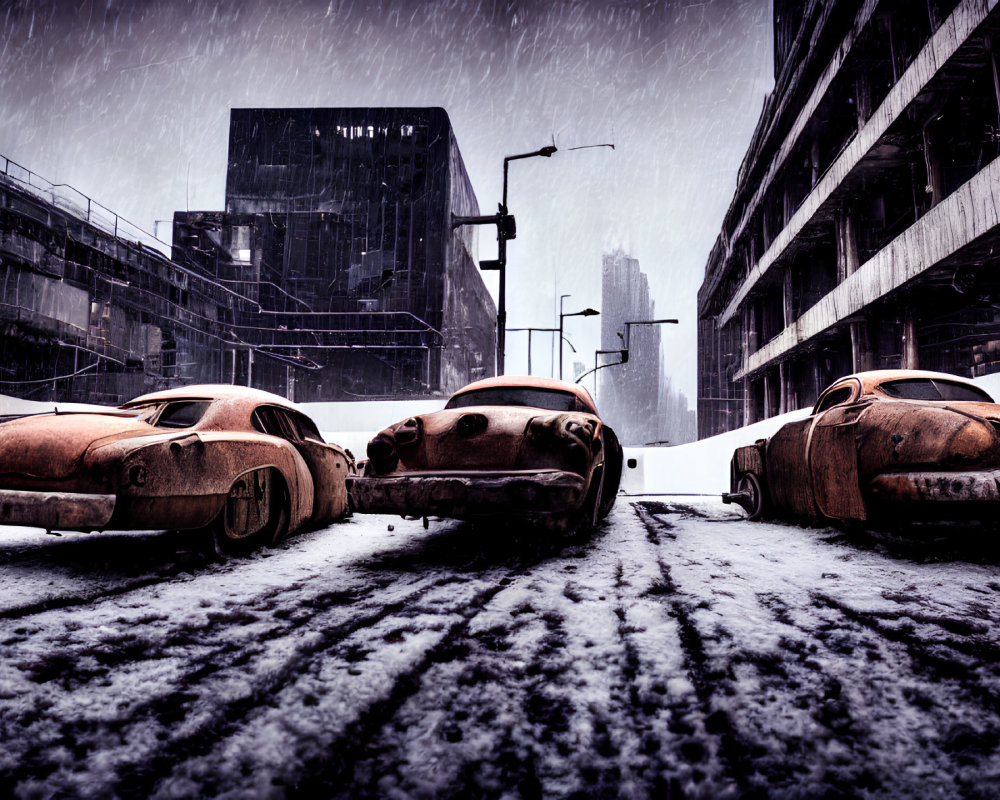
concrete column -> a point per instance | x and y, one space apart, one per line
768 409
847 245
862 98
750 329
784 380
862 357
787 298
814 162
748 411
932 160
910 348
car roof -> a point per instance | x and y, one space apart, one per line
871 379
532 382
216 391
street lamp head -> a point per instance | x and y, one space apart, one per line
548 150
590 312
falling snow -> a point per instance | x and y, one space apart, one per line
129 103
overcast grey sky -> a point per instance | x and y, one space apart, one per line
129 102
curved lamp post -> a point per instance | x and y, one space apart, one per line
623 354
587 312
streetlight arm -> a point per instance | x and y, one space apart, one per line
623 354
628 325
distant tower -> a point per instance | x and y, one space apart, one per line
629 395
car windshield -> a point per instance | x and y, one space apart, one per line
533 397
934 389
171 413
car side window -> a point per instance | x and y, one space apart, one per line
274 422
307 428
834 398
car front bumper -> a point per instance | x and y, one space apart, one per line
920 488
56 510
533 495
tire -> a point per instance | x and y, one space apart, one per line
754 505
255 513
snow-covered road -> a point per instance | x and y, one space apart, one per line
679 652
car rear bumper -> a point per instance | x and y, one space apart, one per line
973 487
531 494
56 510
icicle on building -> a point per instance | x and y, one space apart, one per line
864 231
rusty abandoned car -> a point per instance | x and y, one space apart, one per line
243 464
879 447
523 447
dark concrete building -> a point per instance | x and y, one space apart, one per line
338 224
334 272
864 231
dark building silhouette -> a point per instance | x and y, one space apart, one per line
629 394
864 229
334 271
338 223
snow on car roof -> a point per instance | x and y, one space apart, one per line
534 382
215 391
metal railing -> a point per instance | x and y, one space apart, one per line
75 203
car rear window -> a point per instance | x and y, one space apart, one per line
181 414
934 389
549 399
169 413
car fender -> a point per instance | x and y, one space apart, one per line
204 466
833 462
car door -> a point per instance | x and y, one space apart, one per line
327 464
788 483
833 452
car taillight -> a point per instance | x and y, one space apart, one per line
471 424
567 433
382 453
408 432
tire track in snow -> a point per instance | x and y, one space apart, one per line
718 724
328 774
940 658
140 770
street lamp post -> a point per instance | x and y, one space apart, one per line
530 330
623 354
587 312
506 229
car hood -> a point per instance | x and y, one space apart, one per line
52 446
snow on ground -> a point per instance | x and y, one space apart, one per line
680 651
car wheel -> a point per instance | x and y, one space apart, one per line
753 495
255 512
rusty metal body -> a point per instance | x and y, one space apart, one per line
880 445
525 447
170 460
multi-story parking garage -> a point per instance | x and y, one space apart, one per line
865 229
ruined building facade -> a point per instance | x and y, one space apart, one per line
333 273
90 310
338 224
864 231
